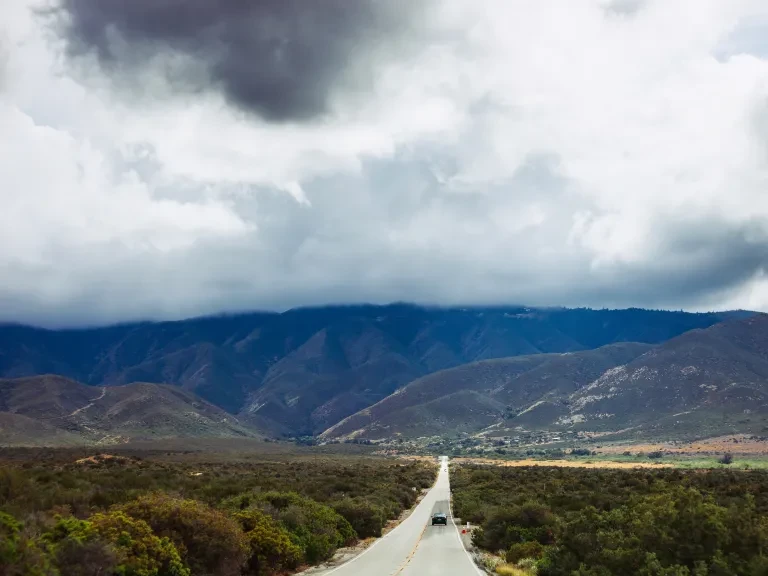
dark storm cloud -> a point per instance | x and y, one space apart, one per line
283 59
697 260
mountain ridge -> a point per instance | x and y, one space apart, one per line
512 383
302 371
703 382
56 410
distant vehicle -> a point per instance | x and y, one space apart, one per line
440 518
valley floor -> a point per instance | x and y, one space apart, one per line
741 444
229 509
534 509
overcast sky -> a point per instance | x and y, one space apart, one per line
170 158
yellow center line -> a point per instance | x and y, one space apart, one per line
411 555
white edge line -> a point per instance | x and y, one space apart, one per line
364 552
458 534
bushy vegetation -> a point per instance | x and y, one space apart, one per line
210 541
270 544
111 543
592 522
155 516
315 528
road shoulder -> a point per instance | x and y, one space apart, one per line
345 555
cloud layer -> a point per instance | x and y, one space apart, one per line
162 162
282 59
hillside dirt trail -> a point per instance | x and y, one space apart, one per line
103 393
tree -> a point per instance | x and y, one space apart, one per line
366 519
77 549
316 528
208 541
111 544
271 548
20 555
141 552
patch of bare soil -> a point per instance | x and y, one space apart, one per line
416 458
562 463
101 458
740 444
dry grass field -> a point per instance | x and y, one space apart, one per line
741 444
562 463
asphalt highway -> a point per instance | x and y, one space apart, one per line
415 547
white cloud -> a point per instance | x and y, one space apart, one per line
534 152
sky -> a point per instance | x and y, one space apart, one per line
163 159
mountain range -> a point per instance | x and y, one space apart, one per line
305 371
703 382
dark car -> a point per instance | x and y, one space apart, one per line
440 518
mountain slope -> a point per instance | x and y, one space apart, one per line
302 371
18 430
477 395
704 378
361 360
55 410
704 382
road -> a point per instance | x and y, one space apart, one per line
415 547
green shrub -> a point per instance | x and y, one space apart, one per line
12 485
318 530
272 550
209 542
42 483
531 521
20 555
603 522
520 550
10 528
531 565
365 518
111 544
78 550
140 551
